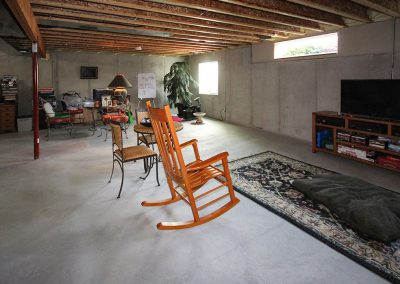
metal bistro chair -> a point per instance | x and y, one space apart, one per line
143 138
186 180
56 118
123 155
114 113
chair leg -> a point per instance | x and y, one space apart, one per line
156 158
124 128
112 171
106 130
149 167
71 128
122 181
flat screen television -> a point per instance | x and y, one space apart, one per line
373 98
89 72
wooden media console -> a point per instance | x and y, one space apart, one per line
368 140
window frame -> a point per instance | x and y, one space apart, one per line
306 56
217 79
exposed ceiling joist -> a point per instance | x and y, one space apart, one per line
175 33
117 19
174 14
292 10
389 7
143 14
343 8
78 33
191 26
133 42
23 13
241 11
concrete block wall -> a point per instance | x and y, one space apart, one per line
279 95
62 72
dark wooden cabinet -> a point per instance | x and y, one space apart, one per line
368 140
8 122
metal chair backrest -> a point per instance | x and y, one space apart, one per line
116 131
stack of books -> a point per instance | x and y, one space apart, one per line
343 136
357 153
359 139
389 161
377 143
394 146
9 88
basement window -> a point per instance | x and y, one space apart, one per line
315 45
208 78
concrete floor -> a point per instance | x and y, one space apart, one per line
61 221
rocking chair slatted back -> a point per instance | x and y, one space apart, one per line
188 177
169 148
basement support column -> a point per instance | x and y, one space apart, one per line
35 99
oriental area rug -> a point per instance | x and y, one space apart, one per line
266 179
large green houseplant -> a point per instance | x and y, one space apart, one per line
177 85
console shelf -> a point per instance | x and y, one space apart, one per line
359 133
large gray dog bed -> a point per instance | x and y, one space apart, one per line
365 207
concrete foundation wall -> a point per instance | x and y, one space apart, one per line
62 72
279 95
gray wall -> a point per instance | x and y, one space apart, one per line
62 70
279 95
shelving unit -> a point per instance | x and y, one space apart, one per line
361 132
8 103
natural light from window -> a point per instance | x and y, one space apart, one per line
208 78
323 44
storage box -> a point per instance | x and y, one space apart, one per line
24 123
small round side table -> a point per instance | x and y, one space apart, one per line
199 116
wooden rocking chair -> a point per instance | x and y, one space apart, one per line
186 180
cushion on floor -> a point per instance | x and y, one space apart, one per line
367 208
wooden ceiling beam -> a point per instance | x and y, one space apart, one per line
241 11
388 7
136 13
127 48
175 33
85 47
199 14
99 40
343 8
101 34
59 12
292 10
94 50
23 13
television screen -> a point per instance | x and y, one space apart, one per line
375 98
89 72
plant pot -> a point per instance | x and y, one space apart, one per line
181 108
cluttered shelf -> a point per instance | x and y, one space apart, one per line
8 103
372 141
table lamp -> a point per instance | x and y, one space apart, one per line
119 85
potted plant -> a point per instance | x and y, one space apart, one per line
177 86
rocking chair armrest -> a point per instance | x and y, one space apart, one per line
208 162
188 143
192 142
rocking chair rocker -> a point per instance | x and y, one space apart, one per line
186 181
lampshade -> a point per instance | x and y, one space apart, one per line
119 82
